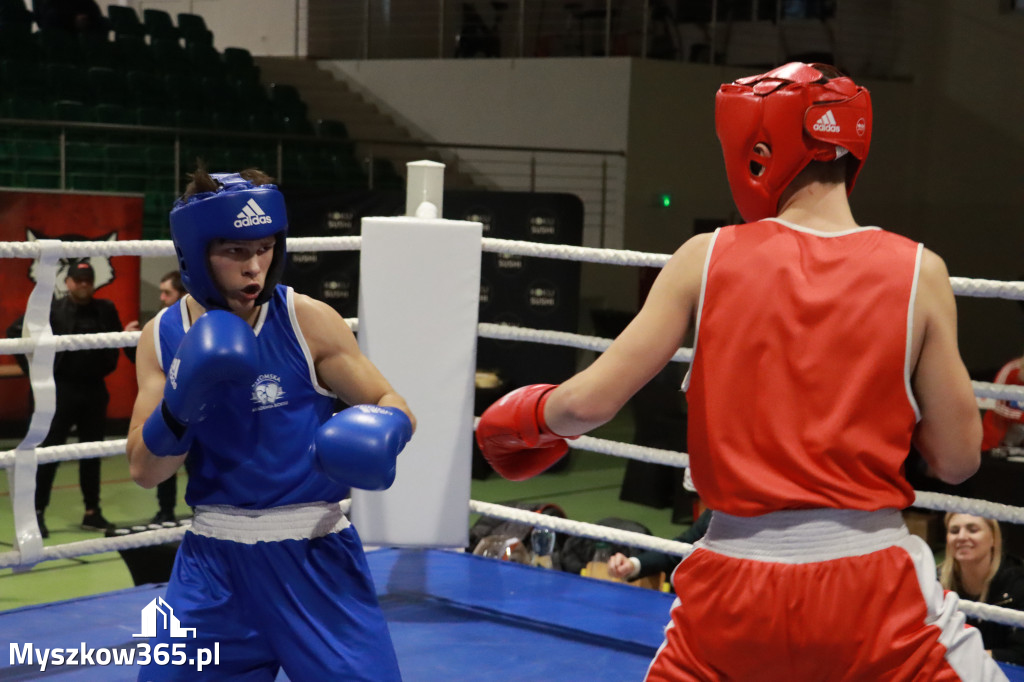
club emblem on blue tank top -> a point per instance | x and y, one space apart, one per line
267 392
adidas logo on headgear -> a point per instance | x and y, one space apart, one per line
827 123
252 214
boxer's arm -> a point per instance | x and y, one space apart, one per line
949 433
146 468
596 394
340 365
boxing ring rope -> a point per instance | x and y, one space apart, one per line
46 251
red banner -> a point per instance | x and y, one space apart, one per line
33 215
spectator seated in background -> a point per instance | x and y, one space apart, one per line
976 569
652 563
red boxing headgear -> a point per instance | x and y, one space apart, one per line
802 115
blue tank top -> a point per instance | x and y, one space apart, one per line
252 451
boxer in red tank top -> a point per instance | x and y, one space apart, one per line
822 351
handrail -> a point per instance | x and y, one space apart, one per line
295 137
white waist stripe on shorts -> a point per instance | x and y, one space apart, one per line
803 536
249 526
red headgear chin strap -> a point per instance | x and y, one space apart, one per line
802 115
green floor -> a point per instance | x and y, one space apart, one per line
587 489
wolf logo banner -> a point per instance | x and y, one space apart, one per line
33 215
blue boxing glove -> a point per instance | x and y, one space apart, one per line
359 446
219 349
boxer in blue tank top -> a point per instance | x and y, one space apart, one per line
238 382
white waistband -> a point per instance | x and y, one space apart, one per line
249 526
805 535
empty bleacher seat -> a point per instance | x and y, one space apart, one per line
15 13
66 81
18 45
155 116
59 46
170 56
112 113
239 66
134 54
97 50
159 25
326 127
24 80
193 29
72 110
124 21
106 85
184 92
286 100
147 90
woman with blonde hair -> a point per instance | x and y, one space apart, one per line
976 568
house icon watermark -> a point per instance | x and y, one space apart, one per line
159 615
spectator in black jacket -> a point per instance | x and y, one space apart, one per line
652 563
82 395
976 568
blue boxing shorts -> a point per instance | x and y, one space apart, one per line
253 591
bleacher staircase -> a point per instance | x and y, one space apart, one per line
331 99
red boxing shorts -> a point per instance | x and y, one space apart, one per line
821 594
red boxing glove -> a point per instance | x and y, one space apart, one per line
514 438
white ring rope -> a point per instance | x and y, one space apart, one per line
996 614
504 332
961 286
487 330
101 545
160 247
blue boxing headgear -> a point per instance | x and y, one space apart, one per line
237 210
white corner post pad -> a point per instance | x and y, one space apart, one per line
424 189
419 291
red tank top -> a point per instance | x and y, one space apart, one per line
799 391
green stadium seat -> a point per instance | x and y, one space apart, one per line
159 25
22 80
37 155
66 81
97 50
204 59
286 100
38 179
133 54
239 66
129 183
72 110
126 159
193 29
160 118
170 57
326 127
191 118
124 21
85 182
86 157
59 47
147 90
106 85
184 93
17 43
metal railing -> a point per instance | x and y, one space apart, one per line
150 159
750 33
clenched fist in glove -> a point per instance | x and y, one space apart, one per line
359 446
514 438
218 350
